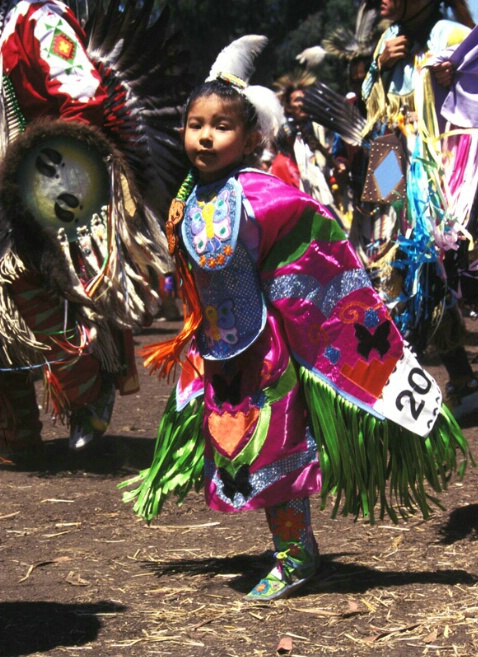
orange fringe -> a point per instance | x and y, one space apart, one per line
163 356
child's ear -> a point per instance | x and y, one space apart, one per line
181 133
253 140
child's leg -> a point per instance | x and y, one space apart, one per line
297 554
291 527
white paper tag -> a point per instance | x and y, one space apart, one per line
411 397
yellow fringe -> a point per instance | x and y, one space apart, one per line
381 107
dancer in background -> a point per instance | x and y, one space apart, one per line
415 242
82 190
355 49
307 147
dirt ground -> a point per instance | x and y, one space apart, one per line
80 575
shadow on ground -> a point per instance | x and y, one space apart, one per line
462 523
333 576
30 627
111 455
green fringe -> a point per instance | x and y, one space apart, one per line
178 461
369 463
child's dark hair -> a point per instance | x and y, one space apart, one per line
230 95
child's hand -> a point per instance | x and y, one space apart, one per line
394 50
443 73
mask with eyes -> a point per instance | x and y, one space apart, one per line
63 181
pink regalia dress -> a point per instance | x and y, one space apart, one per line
297 380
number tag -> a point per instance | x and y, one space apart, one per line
411 396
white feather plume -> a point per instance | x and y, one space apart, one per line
238 57
311 57
237 60
270 114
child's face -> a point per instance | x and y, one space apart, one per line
215 138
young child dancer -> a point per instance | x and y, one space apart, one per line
292 351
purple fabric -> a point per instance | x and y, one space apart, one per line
460 106
260 366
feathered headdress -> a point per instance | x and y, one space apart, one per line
331 110
235 64
350 45
312 57
108 264
345 43
297 79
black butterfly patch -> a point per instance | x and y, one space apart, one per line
368 341
237 484
224 391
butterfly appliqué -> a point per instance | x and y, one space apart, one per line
211 225
368 341
239 483
220 323
227 392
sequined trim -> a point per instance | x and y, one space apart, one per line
265 477
324 297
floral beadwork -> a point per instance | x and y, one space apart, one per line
288 523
